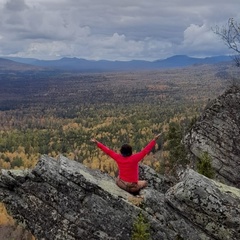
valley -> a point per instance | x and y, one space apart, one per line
52 112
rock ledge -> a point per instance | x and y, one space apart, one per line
62 199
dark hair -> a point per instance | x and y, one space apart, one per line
126 150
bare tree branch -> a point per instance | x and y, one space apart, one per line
230 35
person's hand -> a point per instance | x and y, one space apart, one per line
93 140
157 136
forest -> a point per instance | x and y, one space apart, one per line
57 113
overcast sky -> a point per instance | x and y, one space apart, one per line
113 29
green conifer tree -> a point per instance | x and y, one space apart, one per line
141 229
204 165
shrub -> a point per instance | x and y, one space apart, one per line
16 162
204 165
141 229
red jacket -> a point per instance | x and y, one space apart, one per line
128 166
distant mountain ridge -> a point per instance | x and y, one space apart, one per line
9 65
83 65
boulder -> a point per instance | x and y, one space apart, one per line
62 199
217 132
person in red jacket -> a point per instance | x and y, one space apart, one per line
128 178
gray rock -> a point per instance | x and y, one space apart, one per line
62 199
217 132
210 205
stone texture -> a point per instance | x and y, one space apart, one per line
217 132
62 199
211 205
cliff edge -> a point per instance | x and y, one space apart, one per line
62 199
217 132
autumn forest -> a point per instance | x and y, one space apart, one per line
57 113
53 113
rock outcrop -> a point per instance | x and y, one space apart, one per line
217 132
62 199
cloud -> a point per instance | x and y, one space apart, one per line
16 5
115 30
202 39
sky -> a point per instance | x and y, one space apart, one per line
114 29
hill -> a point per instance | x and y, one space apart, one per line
83 65
9 65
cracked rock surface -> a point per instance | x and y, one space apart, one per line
217 132
62 199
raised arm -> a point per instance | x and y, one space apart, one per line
148 148
105 149
157 136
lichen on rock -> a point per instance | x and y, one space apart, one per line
217 132
62 199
